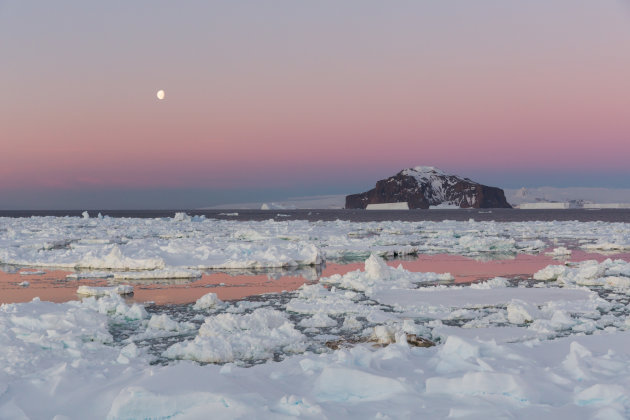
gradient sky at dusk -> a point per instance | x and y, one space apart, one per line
266 100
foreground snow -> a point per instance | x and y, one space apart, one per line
551 348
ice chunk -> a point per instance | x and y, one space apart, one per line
497 282
228 337
209 300
318 320
379 276
130 351
549 273
350 323
114 305
376 269
157 274
181 217
618 282
560 252
384 334
90 275
164 322
121 289
520 312
117 261
313 299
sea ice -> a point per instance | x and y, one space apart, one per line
209 300
229 337
121 289
196 243
504 348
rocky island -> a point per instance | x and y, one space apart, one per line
423 187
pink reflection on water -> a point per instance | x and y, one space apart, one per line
54 286
466 269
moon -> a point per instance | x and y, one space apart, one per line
160 94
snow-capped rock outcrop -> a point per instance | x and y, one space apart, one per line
425 186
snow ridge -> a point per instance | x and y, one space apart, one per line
438 185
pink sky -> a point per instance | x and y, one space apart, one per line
308 93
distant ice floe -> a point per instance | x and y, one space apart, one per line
171 246
157 274
276 206
32 272
603 245
609 274
121 289
560 252
160 274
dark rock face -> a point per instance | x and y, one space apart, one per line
425 186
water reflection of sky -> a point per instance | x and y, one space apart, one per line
238 284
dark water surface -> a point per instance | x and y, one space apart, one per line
499 215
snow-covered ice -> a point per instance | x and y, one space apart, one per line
170 246
122 289
549 345
209 300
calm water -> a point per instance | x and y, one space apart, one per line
499 215
53 285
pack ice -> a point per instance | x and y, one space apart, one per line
180 246
550 346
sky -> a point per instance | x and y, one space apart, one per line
268 100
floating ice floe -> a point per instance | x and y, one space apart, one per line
121 289
115 260
229 337
497 282
620 245
609 273
209 300
560 252
164 322
32 272
378 275
90 275
157 274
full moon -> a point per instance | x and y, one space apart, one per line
160 94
